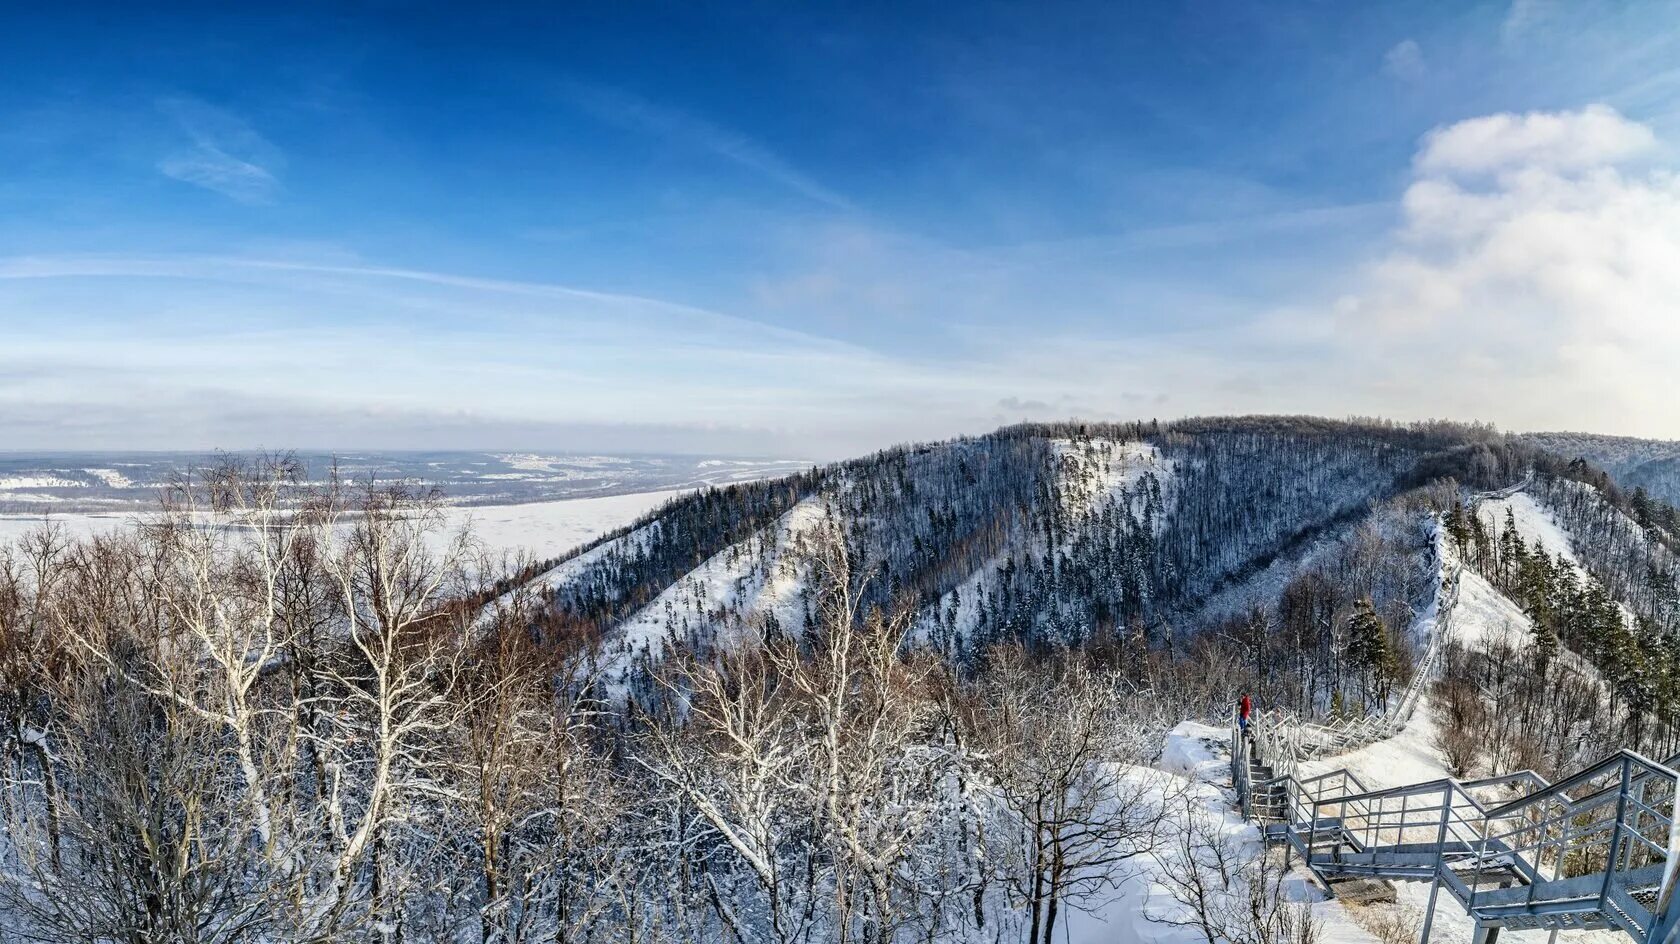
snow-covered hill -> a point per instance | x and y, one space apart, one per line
752 587
1040 534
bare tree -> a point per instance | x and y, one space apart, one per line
734 761
1224 884
878 779
1065 748
389 701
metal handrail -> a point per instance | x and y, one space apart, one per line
1579 825
1621 844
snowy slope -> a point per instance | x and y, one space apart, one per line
1538 526
1534 523
737 590
1091 474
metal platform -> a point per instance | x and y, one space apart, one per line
1599 849
1595 850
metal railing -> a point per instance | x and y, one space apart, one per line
1290 739
1599 849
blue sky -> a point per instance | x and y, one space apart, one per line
820 230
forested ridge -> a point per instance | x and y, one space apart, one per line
979 530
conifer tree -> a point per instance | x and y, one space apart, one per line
1369 651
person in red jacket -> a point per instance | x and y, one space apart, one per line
1244 706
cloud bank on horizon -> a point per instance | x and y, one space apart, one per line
604 255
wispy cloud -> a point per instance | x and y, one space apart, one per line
342 276
1404 61
221 152
1524 16
635 113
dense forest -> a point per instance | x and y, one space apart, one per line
1600 659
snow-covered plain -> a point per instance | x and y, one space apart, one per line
76 526
542 530
538 530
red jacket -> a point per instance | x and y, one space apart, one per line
1243 707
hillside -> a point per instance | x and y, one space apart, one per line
1080 534
1649 464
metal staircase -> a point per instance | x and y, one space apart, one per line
1596 850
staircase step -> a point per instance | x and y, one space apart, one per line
1364 891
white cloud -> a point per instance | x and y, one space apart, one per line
1546 141
221 152
1405 61
1550 292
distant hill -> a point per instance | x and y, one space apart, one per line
1650 464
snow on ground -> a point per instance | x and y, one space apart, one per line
1534 523
1195 769
539 530
1091 472
1483 614
750 578
1412 757
546 583
560 465
1198 751
1267 584
111 477
77 527
38 481
1409 757
1096 470
542 530
550 580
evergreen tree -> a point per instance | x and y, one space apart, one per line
1369 651
1458 528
